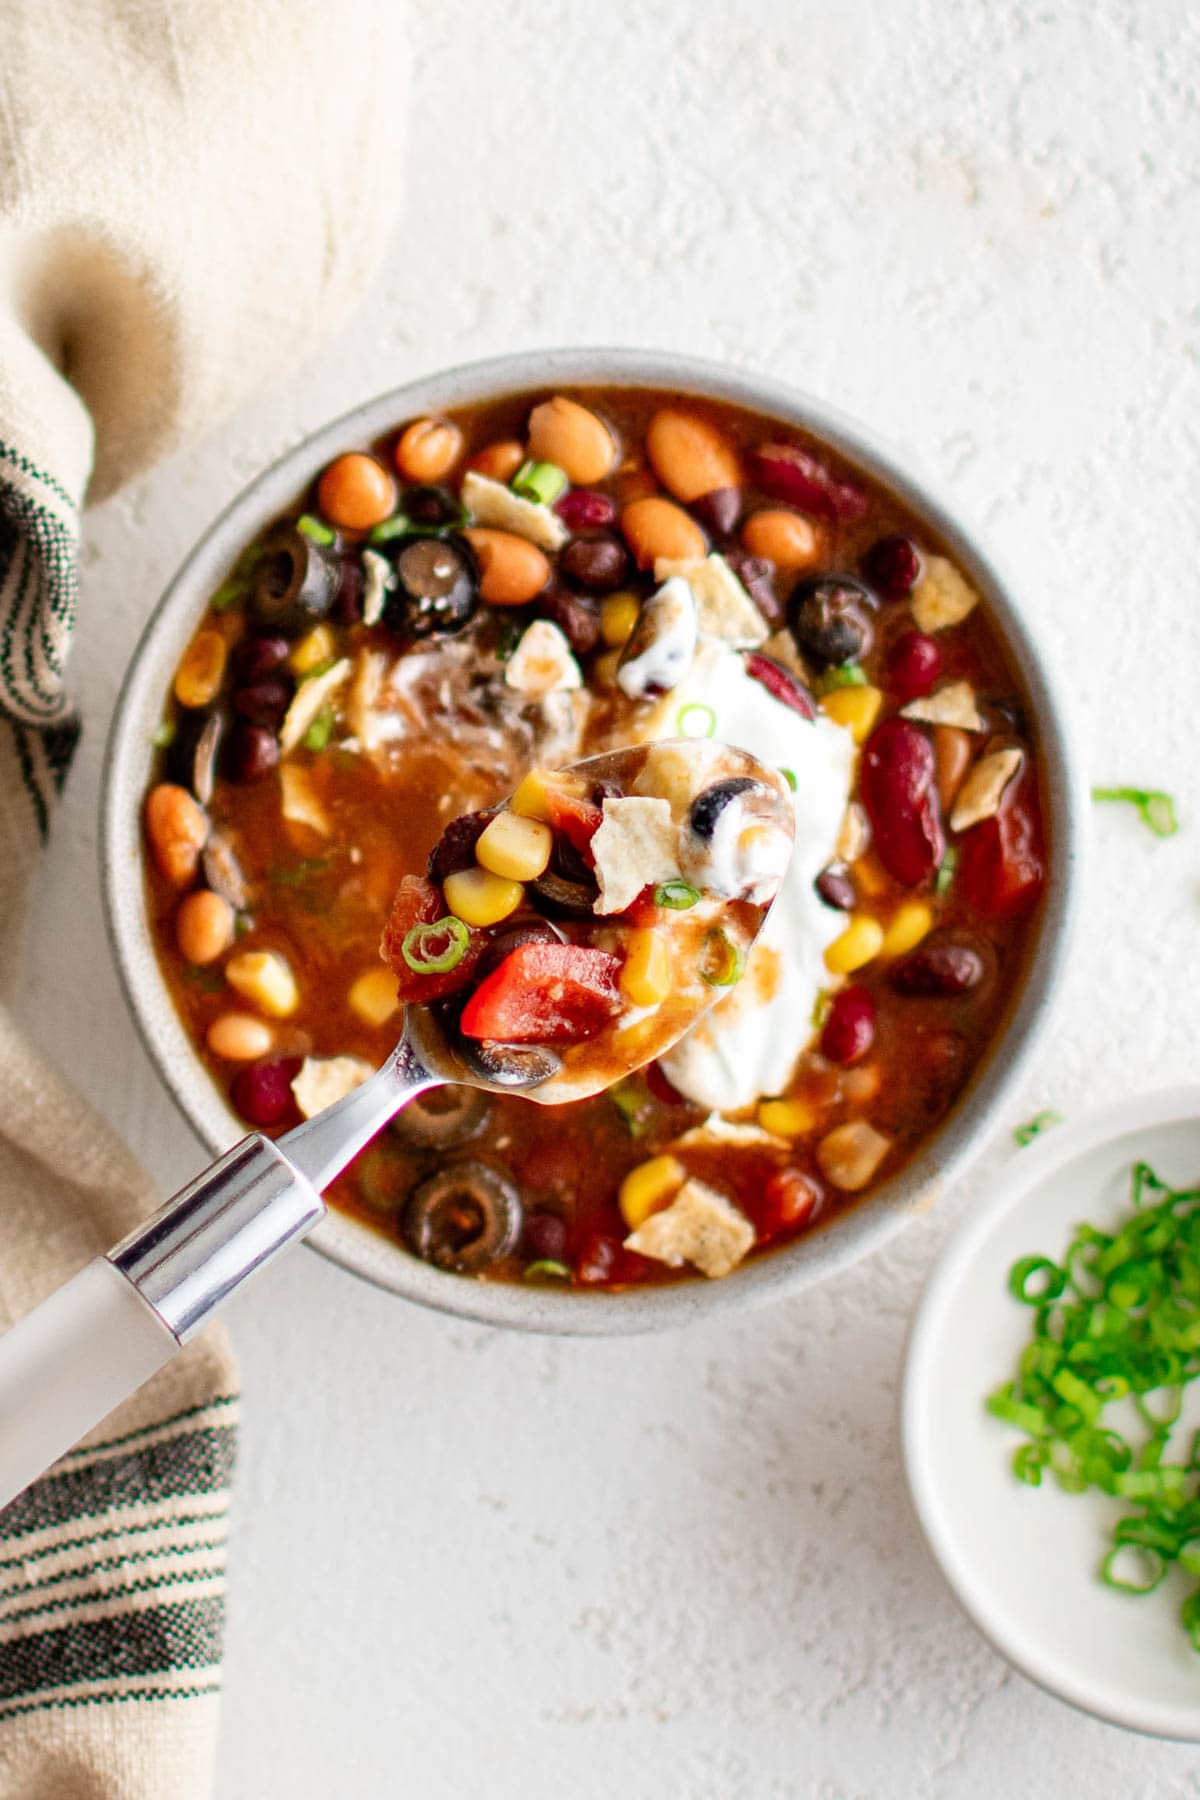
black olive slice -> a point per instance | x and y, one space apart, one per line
204 761
296 582
564 899
464 1218
830 619
443 1119
708 806
223 872
509 1065
437 587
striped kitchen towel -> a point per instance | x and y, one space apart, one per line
191 193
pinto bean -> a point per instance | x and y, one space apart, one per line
512 571
784 538
499 461
203 927
177 830
654 528
951 754
428 449
690 456
563 432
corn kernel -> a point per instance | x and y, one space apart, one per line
860 941
529 801
618 616
202 670
787 1118
646 1187
373 996
516 846
857 708
604 669
906 927
478 897
315 648
265 979
646 971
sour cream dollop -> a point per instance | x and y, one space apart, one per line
749 1044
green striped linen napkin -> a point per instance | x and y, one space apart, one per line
191 194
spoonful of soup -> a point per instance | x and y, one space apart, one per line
557 943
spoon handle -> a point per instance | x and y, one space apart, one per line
67 1364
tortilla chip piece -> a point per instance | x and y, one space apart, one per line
637 844
980 795
942 597
309 700
491 503
701 1226
324 1079
542 662
953 704
724 609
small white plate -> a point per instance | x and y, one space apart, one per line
1023 1561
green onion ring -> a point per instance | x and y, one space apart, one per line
704 716
418 949
675 894
723 961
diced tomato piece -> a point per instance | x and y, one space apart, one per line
578 819
545 994
1001 860
790 1200
419 902
597 1261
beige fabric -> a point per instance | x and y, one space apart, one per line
191 194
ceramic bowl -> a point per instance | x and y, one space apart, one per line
1023 1561
849 1235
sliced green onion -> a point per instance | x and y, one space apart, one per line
316 530
789 775
547 1269
1133 1569
321 730
321 668
1028 1462
163 736
249 560
847 674
541 482
723 962
822 1006
298 873
383 533
633 1103
695 720
1032 1128
433 949
946 871
242 924
229 594
675 894
1035 1279
1156 809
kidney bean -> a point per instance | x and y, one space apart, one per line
263 1094
264 702
585 510
252 752
755 573
257 656
892 565
719 511
913 666
786 472
577 617
599 564
790 1199
455 849
837 889
347 601
849 1030
781 683
690 456
941 966
898 789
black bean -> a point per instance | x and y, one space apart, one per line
257 656
264 702
577 617
252 752
756 575
941 966
837 889
719 511
599 564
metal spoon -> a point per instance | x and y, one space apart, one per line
93 1342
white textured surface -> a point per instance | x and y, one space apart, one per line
470 1564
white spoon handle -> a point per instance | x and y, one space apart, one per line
68 1363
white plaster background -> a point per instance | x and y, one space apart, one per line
474 1564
